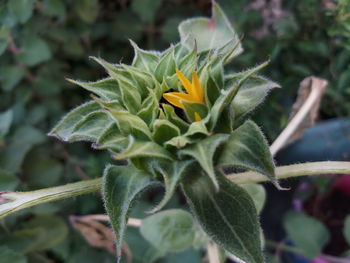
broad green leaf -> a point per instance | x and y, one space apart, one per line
9 255
146 9
166 66
307 233
10 77
170 230
251 94
172 174
164 130
247 148
19 144
112 139
87 10
106 89
137 149
203 151
346 229
144 79
54 8
145 60
8 181
5 122
172 117
198 127
188 255
34 51
130 96
121 186
210 34
22 9
228 216
65 127
90 127
130 124
257 193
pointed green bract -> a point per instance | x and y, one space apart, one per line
145 60
247 148
210 34
111 139
164 130
173 118
121 186
166 66
65 127
191 108
228 216
203 151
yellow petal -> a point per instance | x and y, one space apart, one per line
185 82
197 89
175 98
197 117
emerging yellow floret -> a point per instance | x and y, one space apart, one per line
194 92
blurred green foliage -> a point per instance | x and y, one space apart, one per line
43 41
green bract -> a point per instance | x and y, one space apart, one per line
161 144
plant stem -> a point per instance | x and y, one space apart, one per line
19 200
295 170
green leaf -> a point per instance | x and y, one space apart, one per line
3 46
65 127
91 126
247 148
20 143
164 130
137 149
121 186
203 151
170 230
112 139
87 10
145 60
54 8
22 9
346 229
5 122
172 117
144 79
130 124
308 234
106 89
172 174
146 9
191 108
189 255
166 66
9 255
257 193
251 94
34 51
10 77
8 181
210 34
149 109
130 95
228 216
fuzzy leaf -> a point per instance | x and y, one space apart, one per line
191 108
251 94
130 95
203 151
121 186
188 64
247 148
257 193
65 127
172 117
172 174
149 109
142 78
171 230
130 124
112 139
164 130
228 216
210 34
91 126
106 89
145 60
166 66
139 149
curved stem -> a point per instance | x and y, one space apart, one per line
19 200
295 170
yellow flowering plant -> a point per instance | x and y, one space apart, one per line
176 118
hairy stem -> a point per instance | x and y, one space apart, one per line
14 201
